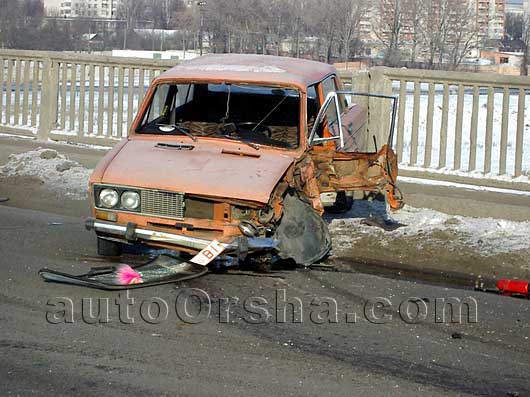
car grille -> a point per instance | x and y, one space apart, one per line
165 204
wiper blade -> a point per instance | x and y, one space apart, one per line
250 144
171 127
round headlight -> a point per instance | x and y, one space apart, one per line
130 200
108 198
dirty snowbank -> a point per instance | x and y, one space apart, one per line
64 177
488 234
432 239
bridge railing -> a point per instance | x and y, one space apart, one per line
80 98
454 126
458 127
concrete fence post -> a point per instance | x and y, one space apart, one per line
48 106
379 110
360 82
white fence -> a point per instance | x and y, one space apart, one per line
86 99
462 127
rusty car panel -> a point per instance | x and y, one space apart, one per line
207 169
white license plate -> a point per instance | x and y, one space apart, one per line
208 254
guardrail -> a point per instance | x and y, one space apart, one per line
459 127
81 98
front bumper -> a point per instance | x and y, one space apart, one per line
131 233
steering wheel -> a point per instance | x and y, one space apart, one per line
249 126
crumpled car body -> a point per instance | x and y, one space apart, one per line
237 150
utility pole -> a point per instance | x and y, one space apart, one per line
202 9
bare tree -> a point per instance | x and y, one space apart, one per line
129 10
20 23
389 28
462 32
416 15
525 42
349 14
298 9
514 24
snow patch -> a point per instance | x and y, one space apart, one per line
488 235
65 177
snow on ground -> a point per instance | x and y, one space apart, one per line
487 235
59 174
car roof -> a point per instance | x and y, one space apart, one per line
251 68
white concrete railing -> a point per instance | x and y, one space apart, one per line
79 98
459 127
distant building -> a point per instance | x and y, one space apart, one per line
89 8
52 7
490 18
367 31
489 21
514 7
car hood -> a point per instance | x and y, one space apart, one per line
215 169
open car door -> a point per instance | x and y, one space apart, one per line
356 163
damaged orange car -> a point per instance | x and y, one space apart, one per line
237 150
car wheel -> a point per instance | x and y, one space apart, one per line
109 248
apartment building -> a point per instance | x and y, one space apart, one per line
515 7
89 8
490 19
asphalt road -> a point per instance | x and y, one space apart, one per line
375 353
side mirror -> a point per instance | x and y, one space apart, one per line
313 139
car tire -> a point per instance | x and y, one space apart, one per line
109 248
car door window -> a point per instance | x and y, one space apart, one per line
330 85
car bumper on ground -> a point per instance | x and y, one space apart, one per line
131 233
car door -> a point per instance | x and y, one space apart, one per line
342 151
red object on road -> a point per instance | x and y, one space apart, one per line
509 287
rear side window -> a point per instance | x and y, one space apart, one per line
330 85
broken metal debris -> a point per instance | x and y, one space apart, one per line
164 269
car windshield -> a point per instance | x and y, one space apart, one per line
258 115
